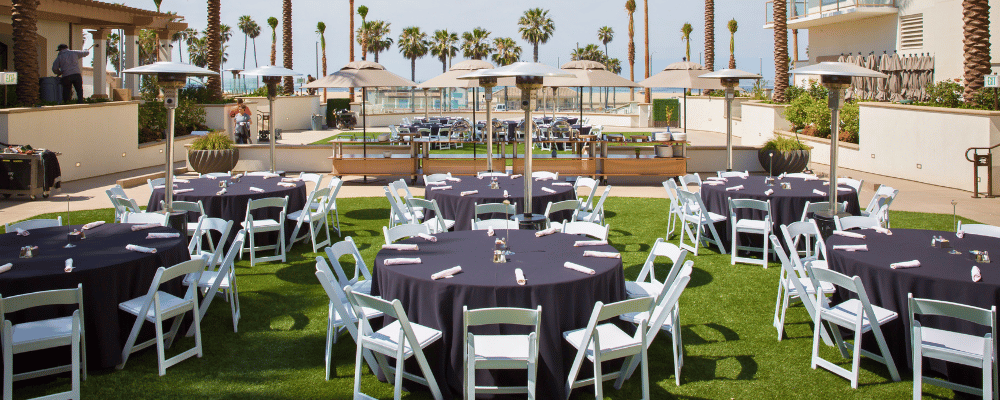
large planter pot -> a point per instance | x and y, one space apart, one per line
206 161
783 161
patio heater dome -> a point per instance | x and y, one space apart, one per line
730 78
837 75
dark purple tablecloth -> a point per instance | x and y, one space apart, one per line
232 206
941 276
567 297
462 208
109 274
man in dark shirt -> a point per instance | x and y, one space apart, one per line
67 65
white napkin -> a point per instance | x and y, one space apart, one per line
519 276
714 183
441 188
851 247
448 273
162 186
434 183
581 243
515 176
401 247
819 192
210 177
826 183
69 265
21 232
905 264
880 229
179 191
93 225
136 228
849 234
976 274
164 235
180 180
960 234
840 189
490 231
602 254
6 267
716 178
811 178
734 188
140 249
453 179
287 184
745 175
401 261
768 192
781 176
221 192
468 192
547 190
561 184
291 179
545 232
427 237
544 178
505 194
256 189
578 267
238 176
266 176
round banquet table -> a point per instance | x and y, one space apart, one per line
109 274
462 209
941 276
232 205
786 204
567 297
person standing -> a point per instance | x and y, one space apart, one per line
67 66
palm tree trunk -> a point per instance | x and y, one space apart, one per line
976 44
214 62
255 53
286 42
24 14
780 51
710 35
536 51
645 12
245 37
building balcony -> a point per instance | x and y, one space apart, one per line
805 14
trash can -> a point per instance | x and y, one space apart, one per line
50 88
317 122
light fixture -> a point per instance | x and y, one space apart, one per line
730 79
271 75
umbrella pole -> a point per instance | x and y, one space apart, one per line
685 109
364 128
475 104
274 130
489 131
527 93
581 108
425 103
729 128
168 184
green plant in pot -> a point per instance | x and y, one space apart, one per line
783 155
214 152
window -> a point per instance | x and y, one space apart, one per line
911 32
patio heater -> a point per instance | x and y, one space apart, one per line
835 76
272 77
170 77
487 82
730 78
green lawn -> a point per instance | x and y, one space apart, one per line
726 311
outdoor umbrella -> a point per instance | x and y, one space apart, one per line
450 80
272 76
362 74
895 78
588 74
871 86
849 92
682 75
883 84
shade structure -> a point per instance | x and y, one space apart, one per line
832 68
450 79
171 76
588 74
682 75
271 75
729 78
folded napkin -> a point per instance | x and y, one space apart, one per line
401 247
819 192
161 186
468 192
744 176
547 190
519 276
905 264
256 189
976 274
287 184
453 179
840 189
849 234
181 180
811 178
715 178
768 192
401 261
6 267
733 188
448 273
136 228
434 183
851 247
140 249
21 232
93 225
238 176
882 230
714 183
164 235
221 192
581 243
291 179
441 188
602 254
561 184
960 234
179 191
826 183
515 176
490 231
578 267
210 177
505 194
544 178
427 237
69 265
545 232
266 176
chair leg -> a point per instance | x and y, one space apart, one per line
158 324
815 349
75 354
918 373
398 393
735 246
470 371
856 359
8 363
357 366
598 382
329 341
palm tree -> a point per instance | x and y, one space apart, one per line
321 30
476 44
605 34
286 42
630 8
733 26
212 34
157 4
590 52
507 51
686 30
645 12
245 25
254 32
536 27
443 46
24 15
174 37
225 33
362 39
975 44
273 23
378 37
709 35
413 44
780 51
190 35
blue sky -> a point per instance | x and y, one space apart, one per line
575 21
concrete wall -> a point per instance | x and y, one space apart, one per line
290 158
876 34
706 113
759 121
94 139
293 112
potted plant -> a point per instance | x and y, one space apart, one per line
214 152
783 155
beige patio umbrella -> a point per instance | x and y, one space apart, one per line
588 74
682 75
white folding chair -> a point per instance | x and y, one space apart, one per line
956 347
856 222
600 342
331 201
820 206
313 214
858 315
30 336
855 184
123 205
597 213
507 210
400 339
592 229
878 207
437 223
695 212
793 280
732 174
675 211
544 175
664 315
316 179
403 231
395 187
436 177
190 207
340 315
485 174
689 179
399 214
495 223
339 250
485 351
646 284
565 205
253 226
153 183
145 218
749 226
444 138
813 252
207 227
157 306
585 182
975 229
36 224
221 279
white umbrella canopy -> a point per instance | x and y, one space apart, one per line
682 75
450 79
270 70
170 67
360 74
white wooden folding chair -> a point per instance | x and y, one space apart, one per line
436 177
157 306
695 212
495 223
490 209
399 214
400 339
664 315
600 342
856 222
732 174
858 315
314 215
401 193
878 206
689 179
813 253
674 212
793 281
596 214
221 279
749 226
583 182
153 183
855 184
646 284
49 333
437 223
565 205
820 206
122 206
145 218
956 347
253 226
208 227
338 251
37 224
316 179
340 315
487 351
975 229
403 231
331 201
592 229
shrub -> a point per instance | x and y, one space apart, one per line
153 119
850 122
945 94
781 143
215 140
797 112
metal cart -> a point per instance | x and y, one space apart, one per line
24 174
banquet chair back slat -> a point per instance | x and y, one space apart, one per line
316 179
565 205
403 232
975 229
855 184
689 179
856 222
494 208
122 206
145 218
33 224
153 183
437 223
592 229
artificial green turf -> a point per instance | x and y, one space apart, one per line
731 349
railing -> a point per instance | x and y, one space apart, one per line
807 8
628 109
